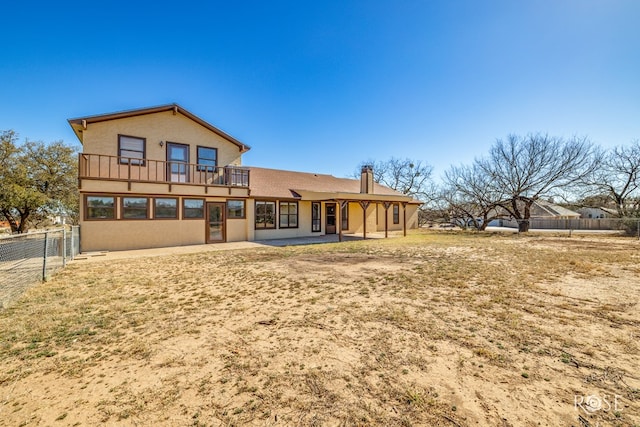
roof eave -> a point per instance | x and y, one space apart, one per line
339 195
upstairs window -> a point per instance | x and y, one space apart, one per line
131 149
207 159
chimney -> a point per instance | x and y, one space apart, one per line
366 180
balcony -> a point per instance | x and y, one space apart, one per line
113 168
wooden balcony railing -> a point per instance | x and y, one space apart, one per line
103 167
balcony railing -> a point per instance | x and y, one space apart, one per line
103 167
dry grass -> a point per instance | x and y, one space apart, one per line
448 329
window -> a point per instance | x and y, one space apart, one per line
236 176
344 213
396 213
98 207
288 214
207 159
131 149
265 214
235 209
165 208
135 208
316 225
192 208
177 162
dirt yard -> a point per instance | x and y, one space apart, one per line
436 329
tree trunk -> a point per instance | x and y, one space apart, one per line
20 227
12 221
484 224
619 204
523 224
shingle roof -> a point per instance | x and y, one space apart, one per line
555 210
274 183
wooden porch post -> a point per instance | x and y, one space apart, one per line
386 218
364 205
340 206
339 219
404 218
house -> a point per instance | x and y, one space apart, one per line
599 213
541 210
161 176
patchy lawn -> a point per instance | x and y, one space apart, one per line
438 329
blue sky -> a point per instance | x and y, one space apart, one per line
322 86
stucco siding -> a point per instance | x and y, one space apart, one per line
140 234
102 137
236 230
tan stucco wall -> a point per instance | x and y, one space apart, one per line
102 137
236 230
139 234
412 216
121 234
356 218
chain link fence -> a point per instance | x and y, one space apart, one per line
28 259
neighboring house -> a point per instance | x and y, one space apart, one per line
540 210
162 176
586 212
543 209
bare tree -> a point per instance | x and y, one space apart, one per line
528 168
470 196
412 178
409 177
406 176
618 177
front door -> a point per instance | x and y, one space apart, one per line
330 218
215 222
177 162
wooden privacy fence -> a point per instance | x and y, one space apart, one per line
578 223
630 225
